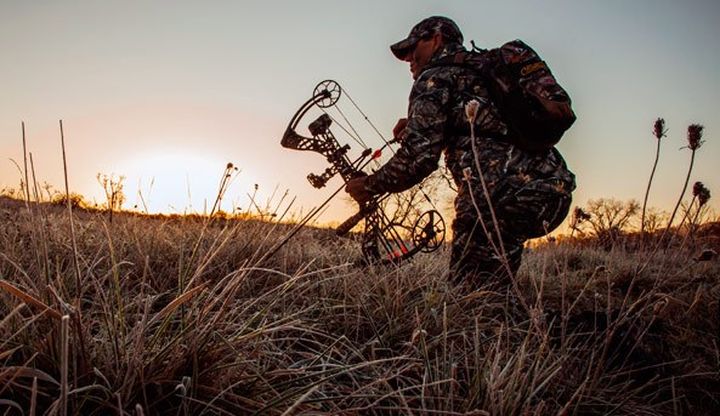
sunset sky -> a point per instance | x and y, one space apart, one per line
167 92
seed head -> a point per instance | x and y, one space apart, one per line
697 188
701 193
660 306
471 109
659 128
580 215
467 173
694 136
706 255
229 166
704 196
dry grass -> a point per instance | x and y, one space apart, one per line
176 316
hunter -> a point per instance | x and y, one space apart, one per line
529 191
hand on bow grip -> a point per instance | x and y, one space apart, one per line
399 132
356 188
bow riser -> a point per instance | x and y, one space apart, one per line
324 143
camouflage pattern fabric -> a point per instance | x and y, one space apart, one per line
529 192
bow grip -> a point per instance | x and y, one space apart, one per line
365 210
349 223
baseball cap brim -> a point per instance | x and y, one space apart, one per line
404 47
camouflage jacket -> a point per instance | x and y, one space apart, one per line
437 123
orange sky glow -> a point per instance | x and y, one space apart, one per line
167 93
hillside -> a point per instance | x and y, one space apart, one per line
179 316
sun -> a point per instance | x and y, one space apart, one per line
180 182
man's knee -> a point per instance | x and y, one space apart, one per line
478 265
535 210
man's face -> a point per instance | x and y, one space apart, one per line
421 54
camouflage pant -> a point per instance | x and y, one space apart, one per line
524 212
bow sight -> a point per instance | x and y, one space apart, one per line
385 238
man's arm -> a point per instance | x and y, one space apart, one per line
420 151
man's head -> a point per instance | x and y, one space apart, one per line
424 40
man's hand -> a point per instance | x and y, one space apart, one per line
399 129
356 189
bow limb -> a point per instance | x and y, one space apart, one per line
383 240
387 242
292 139
323 141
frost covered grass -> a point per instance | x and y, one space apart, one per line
179 316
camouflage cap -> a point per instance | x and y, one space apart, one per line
424 29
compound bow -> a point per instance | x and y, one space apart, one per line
383 240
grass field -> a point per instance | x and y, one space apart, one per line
158 315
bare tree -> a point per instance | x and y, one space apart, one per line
655 220
577 219
609 217
113 187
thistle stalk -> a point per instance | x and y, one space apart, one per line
659 132
579 216
471 113
471 109
687 210
224 184
694 137
26 188
700 194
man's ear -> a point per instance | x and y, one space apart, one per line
437 41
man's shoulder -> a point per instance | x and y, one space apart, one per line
437 77
459 63
438 70
443 79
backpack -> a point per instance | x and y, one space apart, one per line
536 109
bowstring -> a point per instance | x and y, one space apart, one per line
395 235
355 137
367 119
